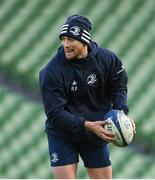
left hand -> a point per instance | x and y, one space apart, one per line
133 125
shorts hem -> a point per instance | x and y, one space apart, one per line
64 164
98 166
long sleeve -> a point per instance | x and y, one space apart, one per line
54 101
118 85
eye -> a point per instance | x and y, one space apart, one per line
71 39
67 40
62 39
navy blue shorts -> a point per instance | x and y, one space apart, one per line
63 153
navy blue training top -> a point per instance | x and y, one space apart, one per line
82 89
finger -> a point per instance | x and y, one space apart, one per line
108 133
109 139
101 122
133 125
134 131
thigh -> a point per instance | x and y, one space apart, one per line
100 173
65 172
95 156
61 152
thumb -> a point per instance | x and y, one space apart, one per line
103 122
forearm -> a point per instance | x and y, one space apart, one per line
119 100
65 120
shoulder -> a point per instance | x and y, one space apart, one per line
52 69
108 56
109 60
106 53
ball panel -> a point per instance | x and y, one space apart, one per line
111 127
121 125
126 127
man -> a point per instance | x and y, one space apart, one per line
79 86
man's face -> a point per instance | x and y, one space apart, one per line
73 48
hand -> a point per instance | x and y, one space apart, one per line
133 125
97 127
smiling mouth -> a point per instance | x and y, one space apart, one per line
68 51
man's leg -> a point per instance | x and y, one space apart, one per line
63 157
100 173
65 172
96 160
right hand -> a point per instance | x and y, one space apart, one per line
97 127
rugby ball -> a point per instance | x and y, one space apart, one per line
119 124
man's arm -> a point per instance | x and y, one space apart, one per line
118 85
54 101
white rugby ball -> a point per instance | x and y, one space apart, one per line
120 124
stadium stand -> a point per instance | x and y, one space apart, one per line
29 38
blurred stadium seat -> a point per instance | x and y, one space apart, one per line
28 39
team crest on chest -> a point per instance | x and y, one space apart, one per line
91 79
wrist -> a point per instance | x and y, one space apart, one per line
88 125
